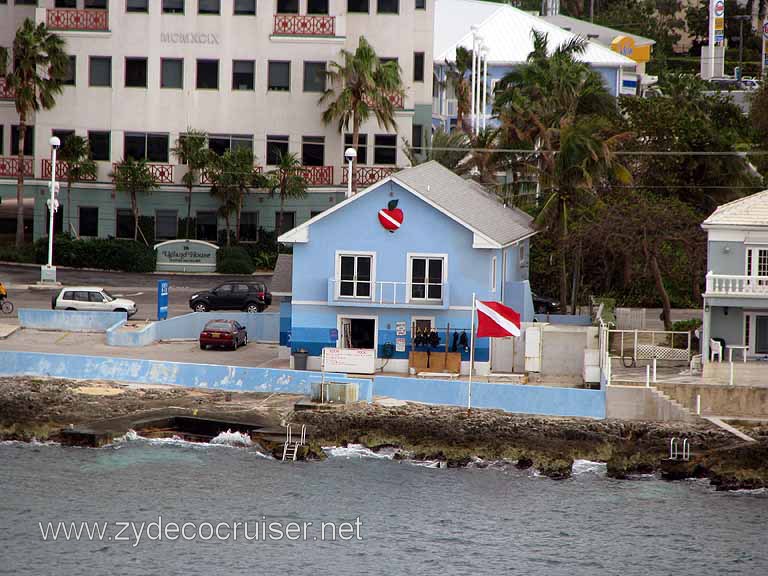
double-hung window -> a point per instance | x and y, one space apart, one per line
425 275
355 275
757 265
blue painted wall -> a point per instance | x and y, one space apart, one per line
235 378
553 401
509 397
355 228
285 322
263 327
69 320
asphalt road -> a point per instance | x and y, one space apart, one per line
141 288
15 274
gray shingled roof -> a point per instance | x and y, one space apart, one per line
467 201
282 277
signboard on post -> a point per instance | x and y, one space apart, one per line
349 360
162 299
765 47
186 256
719 17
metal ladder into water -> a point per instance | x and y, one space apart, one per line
290 448
679 450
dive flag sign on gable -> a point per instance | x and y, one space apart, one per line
494 320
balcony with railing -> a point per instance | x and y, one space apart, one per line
728 285
9 167
62 171
318 175
357 293
367 175
397 99
77 20
162 173
314 25
6 93
206 178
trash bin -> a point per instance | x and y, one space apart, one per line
300 360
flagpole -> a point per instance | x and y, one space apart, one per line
471 356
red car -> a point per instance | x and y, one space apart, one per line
224 334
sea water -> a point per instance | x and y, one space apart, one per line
403 517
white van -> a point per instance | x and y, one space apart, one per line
90 298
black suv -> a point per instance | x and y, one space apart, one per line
246 296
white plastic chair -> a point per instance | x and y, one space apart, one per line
717 350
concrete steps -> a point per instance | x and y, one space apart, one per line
640 402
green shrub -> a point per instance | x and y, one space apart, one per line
101 253
686 325
234 260
25 253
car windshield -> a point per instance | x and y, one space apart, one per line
223 326
108 296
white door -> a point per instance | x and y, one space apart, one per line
345 338
503 355
533 349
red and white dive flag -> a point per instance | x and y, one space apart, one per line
494 320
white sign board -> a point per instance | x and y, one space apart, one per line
400 329
399 344
349 360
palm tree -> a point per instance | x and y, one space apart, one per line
288 180
76 154
232 176
134 177
192 149
39 64
456 75
447 148
360 86
560 107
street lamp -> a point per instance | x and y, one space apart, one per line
350 154
48 272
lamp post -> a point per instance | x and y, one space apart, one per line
350 154
475 39
48 272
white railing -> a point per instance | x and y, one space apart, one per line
385 293
731 285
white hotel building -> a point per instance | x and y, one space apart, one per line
245 71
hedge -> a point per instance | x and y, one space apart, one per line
101 253
234 260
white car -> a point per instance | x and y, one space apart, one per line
90 298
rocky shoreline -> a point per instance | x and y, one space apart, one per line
549 444
37 408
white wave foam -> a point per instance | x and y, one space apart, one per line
588 467
354 451
226 439
437 464
230 438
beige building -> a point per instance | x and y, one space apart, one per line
248 72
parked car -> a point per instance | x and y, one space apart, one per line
90 298
246 296
223 334
545 305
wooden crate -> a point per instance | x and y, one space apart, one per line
435 362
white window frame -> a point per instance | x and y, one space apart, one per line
337 274
340 317
494 263
414 319
409 275
522 260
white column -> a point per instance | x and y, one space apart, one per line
704 343
485 86
474 74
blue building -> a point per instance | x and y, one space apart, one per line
406 254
